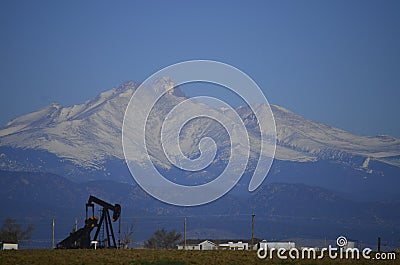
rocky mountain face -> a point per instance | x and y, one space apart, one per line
89 135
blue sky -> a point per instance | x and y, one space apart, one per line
336 62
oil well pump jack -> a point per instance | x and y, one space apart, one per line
81 237
105 218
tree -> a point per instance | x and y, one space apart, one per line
127 237
12 232
163 240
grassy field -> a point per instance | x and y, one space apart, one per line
155 257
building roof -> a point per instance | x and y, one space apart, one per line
218 241
192 242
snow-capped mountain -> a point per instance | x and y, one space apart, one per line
90 133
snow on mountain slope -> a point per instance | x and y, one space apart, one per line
85 133
90 133
323 141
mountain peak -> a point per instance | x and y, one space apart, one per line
127 85
166 83
90 132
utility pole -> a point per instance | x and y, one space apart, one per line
184 233
52 239
379 244
76 224
252 230
119 230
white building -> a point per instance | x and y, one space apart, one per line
349 245
315 248
202 244
276 245
240 245
5 246
198 245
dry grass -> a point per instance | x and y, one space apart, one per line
155 257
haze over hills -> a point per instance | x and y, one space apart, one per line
283 211
341 176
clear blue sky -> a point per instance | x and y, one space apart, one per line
337 62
